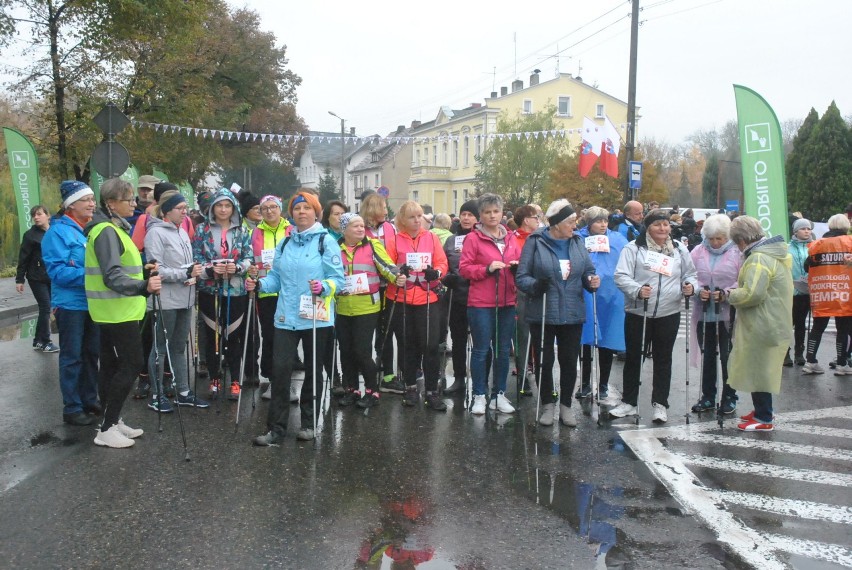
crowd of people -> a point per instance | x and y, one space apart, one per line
268 281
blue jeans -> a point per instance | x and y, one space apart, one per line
79 346
482 321
41 292
762 406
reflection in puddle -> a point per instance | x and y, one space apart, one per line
13 330
396 542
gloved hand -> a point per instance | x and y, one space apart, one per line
450 280
431 274
541 286
406 270
316 287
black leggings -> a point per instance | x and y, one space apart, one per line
844 332
604 364
121 359
568 339
231 313
801 308
353 334
660 333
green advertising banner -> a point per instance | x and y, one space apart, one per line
160 174
762 155
96 180
186 189
131 175
23 165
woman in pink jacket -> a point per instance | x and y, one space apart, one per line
488 260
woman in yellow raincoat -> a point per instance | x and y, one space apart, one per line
763 300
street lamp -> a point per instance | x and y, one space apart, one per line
342 153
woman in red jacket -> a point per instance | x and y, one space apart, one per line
421 258
489 256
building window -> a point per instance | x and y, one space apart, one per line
434 155
599 111
365 182
417 157
374 157
564 107
455 200
464 194
446 161
455 154
528 107
466 151
377 180
477 146
415 195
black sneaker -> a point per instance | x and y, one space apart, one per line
832 364
349 398
434 401
457 387
788 362
800 360
583 393
729 405
191 400
392 386
704 405
368 400
143 388
79 419
411 397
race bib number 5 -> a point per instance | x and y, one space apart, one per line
659 263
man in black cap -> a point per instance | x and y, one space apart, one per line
458 286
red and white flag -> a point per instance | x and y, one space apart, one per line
610 145
592 140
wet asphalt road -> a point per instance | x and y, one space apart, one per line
444 490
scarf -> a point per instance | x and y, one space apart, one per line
725 247
666 249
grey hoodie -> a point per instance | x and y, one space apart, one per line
170 246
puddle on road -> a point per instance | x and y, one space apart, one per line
14 330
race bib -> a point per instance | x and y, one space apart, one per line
418 261
356 284
565 268
659 263
307 308
459 242
266 257
598 244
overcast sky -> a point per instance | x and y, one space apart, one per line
385 63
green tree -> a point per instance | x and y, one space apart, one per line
518 167
710 182
269 176
825 171
792 166
683 193
327 188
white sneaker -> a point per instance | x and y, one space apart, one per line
660 414
566 415
613 397
546 418
128 431
843 370
267 394
812 368
622 410
502 404
113 438
478 407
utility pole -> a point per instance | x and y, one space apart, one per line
631 97
342 156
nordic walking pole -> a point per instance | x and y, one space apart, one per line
644 326
245 353
158 307
314 361
467 383
493 391
381 368
720 417
540 360
527 352
704 305
158 366
442 371
596 352
686 390
216 341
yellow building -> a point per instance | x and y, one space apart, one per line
443 168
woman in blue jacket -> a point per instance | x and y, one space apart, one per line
554 261
604 247
63 249
306 269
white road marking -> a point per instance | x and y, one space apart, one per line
767 470
788 507
757 548
793 427
835 553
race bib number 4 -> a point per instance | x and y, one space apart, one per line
356 284
565 268
598 244
418 261
307 308
659 263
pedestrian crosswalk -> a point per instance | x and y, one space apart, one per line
769 497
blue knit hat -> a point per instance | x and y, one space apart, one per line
73 190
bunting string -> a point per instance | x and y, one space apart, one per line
243 136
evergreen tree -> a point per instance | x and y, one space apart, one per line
792 166
825 171
710 182
327 187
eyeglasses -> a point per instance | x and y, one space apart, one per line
271 208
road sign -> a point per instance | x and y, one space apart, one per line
110 158
635 174
383 191
732 205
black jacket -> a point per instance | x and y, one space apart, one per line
30 263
